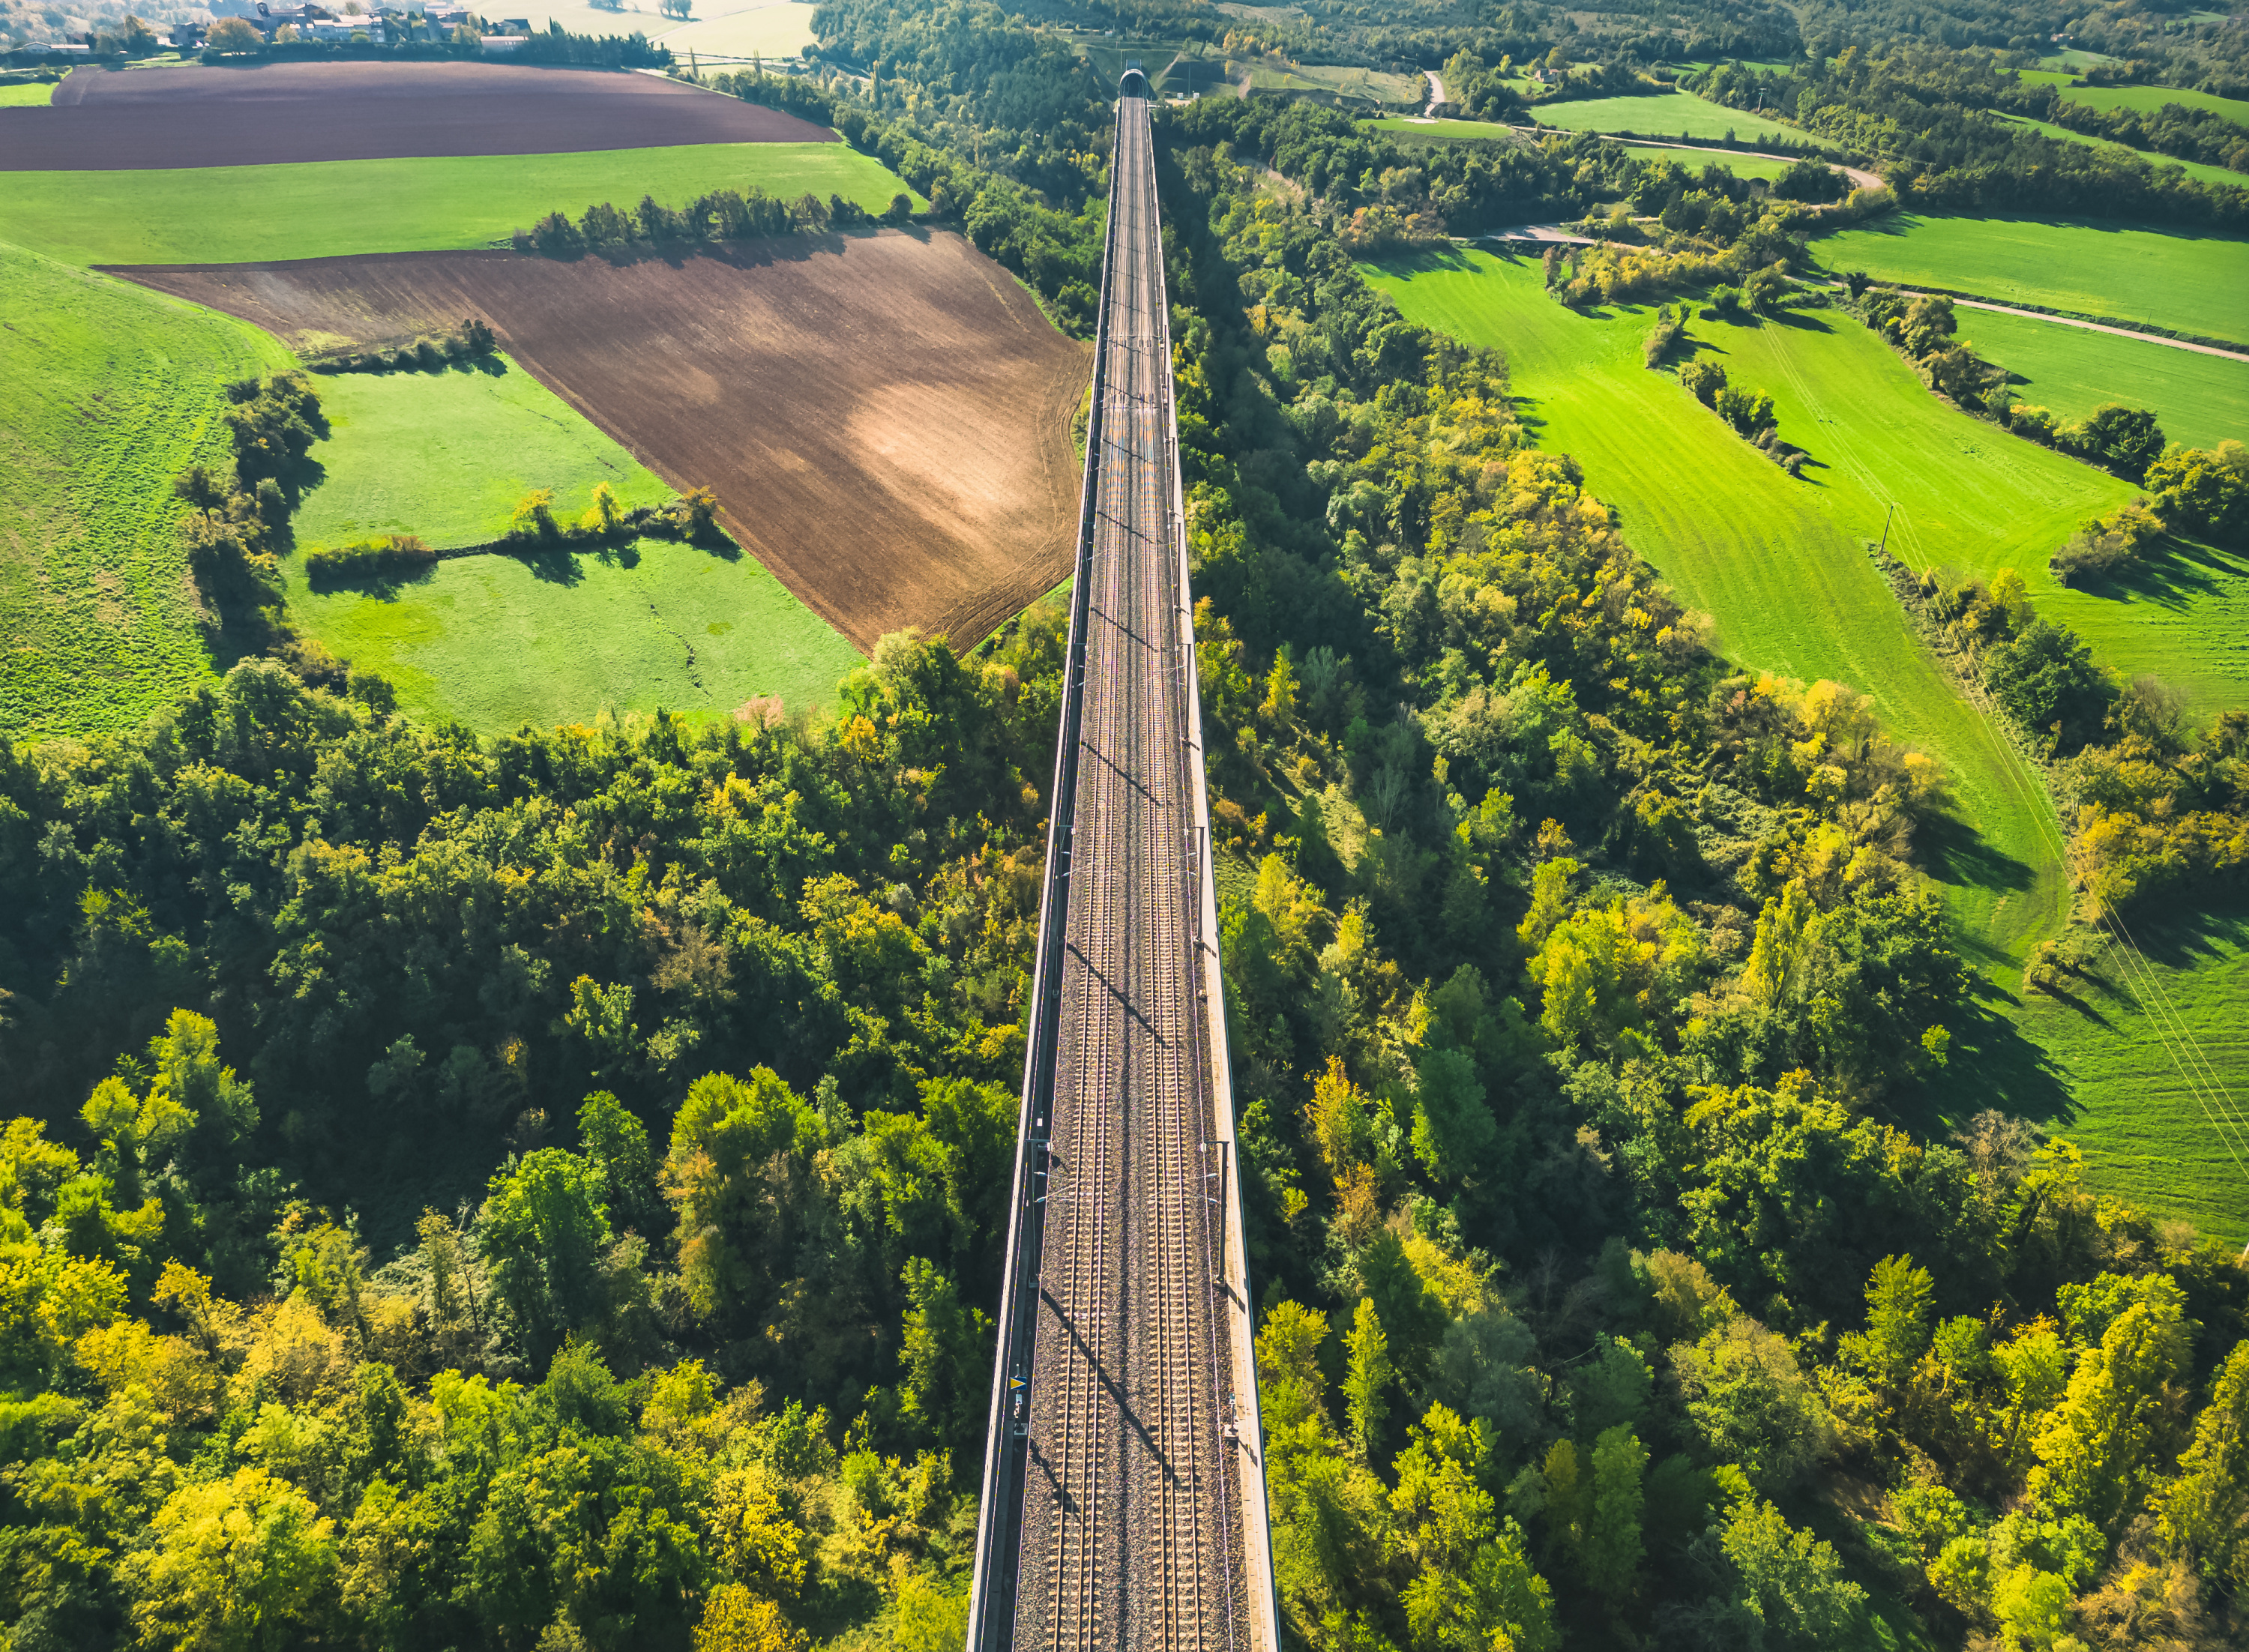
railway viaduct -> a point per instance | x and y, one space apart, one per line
1123 1475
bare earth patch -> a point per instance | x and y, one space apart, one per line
104 120
884 418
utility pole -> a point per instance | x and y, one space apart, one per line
1885 544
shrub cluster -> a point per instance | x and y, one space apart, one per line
723 214
2205 490
240 519
2104 543
1749 411
397 554
471 339
1664 335
2114 437
693 517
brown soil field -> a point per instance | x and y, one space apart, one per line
120 121
883 417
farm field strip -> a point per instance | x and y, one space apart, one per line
2148 99
1780 564
1673 114
327 209
781 30
30 95
2202 171
912 469
191 117
2186 281
632 18
2200 400
112 392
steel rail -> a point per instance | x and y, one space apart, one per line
1123 1505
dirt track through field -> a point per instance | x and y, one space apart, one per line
884 418
118 120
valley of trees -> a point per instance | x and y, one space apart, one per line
545 1192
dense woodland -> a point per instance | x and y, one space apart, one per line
544 1192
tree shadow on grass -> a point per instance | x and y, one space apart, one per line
1991 1065
2173 575
1957 854
384 586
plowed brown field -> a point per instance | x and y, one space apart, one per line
150 119
884 418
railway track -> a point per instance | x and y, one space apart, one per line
1125 1502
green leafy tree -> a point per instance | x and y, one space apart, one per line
1609 1555
1367 1380
2099 1449
2204 1512
1898 1309
545 1231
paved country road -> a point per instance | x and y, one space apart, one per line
2090 327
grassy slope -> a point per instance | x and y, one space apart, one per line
1742 165
2161 1153
1486 131
1778 563
2190 282
496 641
30 95
2201 400
2148 99
447 455
778 31
111 391
1665 116
2199 170
315 210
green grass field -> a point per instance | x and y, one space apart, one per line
112 391
26 95
1742 165
1671 116
1781 565
498 641
2188 974
1468 131
2201 400
316 209
2187 281
778 31
2200 170
1371 85
446 455
2148 99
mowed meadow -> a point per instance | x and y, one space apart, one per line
327 209
111 392
498 640
2201 400
2186 280
1782 565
